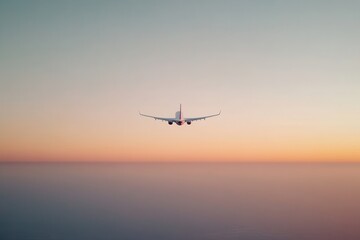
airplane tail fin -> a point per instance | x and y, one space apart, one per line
180 112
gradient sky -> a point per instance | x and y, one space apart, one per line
74 74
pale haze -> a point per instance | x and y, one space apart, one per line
75 74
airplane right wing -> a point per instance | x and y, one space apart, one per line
201 118
159 118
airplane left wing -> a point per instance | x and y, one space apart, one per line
201 118
159 118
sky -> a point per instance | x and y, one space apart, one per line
75 74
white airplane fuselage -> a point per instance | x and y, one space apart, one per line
180 119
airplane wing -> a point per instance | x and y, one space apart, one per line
159 118
201 118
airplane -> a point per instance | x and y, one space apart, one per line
179 118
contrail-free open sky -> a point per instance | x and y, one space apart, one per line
74 74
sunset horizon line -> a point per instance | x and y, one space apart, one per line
181 162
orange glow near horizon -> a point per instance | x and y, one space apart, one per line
202 145
143 139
